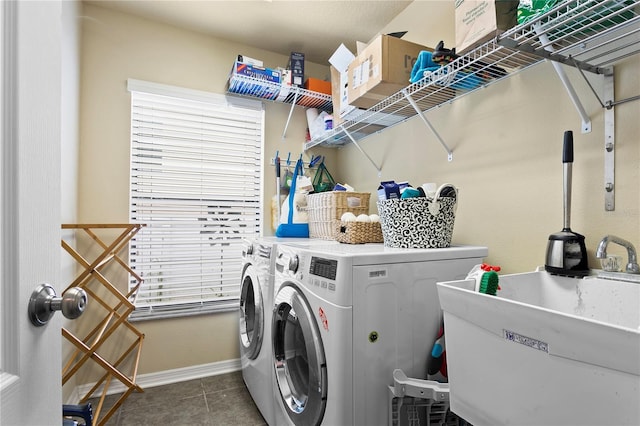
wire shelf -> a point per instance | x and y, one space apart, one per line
588 34
257 88
479 68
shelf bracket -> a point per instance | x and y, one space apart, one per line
293 105
379 169
607 103
586 120
428 123
609 143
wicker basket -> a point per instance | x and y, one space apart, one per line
326 208
360 232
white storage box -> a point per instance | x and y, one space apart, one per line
545 350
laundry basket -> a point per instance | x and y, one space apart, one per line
414 402
419 222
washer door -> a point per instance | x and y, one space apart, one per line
299 360
251 314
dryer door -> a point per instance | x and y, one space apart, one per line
300 366
251 314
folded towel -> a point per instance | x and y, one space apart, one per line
425 67
423 63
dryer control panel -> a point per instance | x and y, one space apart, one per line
325 268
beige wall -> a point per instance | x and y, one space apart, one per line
506 139
116 47
507 145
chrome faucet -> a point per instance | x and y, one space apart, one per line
632 264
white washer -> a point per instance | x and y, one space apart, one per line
256 309
345 316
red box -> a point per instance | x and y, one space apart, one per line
317 85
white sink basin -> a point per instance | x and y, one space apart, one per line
547 350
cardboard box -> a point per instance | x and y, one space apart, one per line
296 65
341 109
388 190
340 61
267 87
317 85
381 69
250 61
254 71
478 21
314 101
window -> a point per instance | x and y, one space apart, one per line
196 172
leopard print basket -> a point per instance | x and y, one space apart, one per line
417 222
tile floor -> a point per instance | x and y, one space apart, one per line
211 401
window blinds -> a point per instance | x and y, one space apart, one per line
196 171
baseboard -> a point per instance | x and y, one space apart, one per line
166 377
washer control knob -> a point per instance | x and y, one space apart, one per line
294 262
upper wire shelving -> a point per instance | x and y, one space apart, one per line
588 34
242 85
479 68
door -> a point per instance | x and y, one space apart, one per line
30 81
251 315
299 359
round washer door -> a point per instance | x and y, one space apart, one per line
299 359
251 314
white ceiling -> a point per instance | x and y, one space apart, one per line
314 27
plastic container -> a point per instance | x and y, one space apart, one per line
415 402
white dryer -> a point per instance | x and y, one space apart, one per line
256 304
345 316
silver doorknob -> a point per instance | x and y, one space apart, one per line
44 303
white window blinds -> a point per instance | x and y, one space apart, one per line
196 170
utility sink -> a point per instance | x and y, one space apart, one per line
547 350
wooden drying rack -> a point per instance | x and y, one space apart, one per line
116 309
